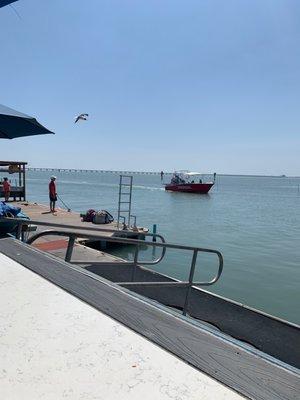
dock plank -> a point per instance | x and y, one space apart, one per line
52 245
40 212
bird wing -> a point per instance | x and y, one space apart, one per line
81 116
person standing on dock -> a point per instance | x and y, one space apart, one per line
52 193
6 189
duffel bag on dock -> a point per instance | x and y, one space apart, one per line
88 216
102 217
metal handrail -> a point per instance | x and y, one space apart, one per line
73 235
21 222
189 284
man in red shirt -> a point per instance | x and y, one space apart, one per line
52 193
6 189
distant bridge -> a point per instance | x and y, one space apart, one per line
96 171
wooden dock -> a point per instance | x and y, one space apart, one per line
57 245
41 213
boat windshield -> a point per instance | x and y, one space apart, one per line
193 177
185 177
177 178
180 177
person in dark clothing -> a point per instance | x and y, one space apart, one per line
52 193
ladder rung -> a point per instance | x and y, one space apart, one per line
126 184
124 202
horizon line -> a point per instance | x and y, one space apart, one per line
152 172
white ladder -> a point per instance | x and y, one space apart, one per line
125 196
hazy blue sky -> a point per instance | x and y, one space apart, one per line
207 85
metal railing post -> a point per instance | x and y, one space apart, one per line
191 279
154 233
70 248
134 218
120 185
135 261
19 231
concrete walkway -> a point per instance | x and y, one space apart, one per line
54 346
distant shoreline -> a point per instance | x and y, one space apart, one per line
146 172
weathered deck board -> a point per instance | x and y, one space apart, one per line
40 212
250 372
51 245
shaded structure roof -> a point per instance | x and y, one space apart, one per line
14 124
11 112
4 163
6 2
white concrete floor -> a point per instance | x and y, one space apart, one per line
54 346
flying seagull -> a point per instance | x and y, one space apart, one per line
82 117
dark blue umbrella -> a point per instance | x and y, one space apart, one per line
6 2
14 124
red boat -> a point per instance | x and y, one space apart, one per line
186 182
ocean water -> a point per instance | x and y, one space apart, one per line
253 221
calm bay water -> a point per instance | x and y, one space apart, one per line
253 221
